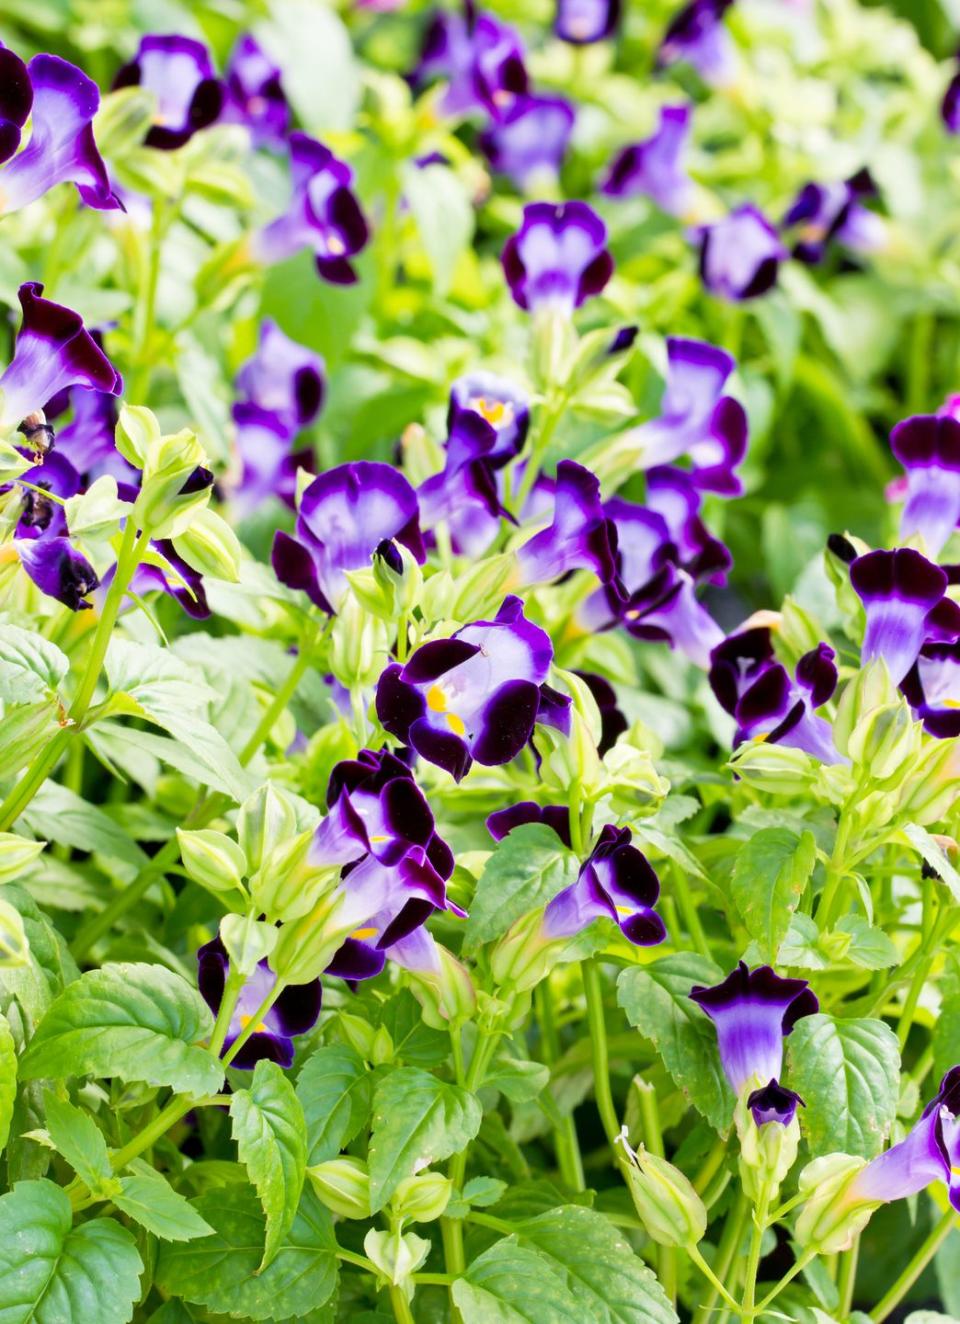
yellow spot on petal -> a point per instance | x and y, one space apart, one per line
336 246
758 740
436 699
362 934
456 724
951 703
496 412
245 1021
380 838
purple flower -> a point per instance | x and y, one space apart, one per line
932 687
58 570
950 106
740 254
928 447
53 351
766 702
903 595
557 258
613 723
615 882
503 821
674 496
89 440
773 1103
528 143
174 577
930 1153
62 102
345 514
696 419
481 58
487 398
474 696
294 1012
463 496
179 72
753 1011
654 168
323 214
283 377
697 36
268 467
16 98
39 516
584 21
824 212
254 94
581 536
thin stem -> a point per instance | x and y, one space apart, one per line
788 1277
146 308
401 1306
938 1235
566 1142
550 418
433 1279
593 991
251 1026
277 706
718 1287
360 1261
847 1277
228 1002
753 1257
689 912
729 1245
456 1048
711 1166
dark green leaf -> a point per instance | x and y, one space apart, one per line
78 1138
527 869
335 1090
512 1284
769 877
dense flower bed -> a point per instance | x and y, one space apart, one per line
479 663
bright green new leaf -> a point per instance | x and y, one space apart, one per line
149 1199
78 1138
30 665
770 874
8 1080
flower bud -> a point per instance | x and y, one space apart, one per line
480 588
17 854
571 759
870 688
933 783
123 120
775 768
422 1198
212 859
14 947
374 597
210 546
767 1151
266 818
396 570
523 955
832 1216
309 941
554 346
175 484
287 885
136 433
12 463
668 1206
343 1184
97 512
447 995
397 1257
248 941
359 644
885 740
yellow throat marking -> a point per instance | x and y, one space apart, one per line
437 703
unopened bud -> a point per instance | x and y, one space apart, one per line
396 570
16 855
287 885
832 1215
210 546
137 432
480 588
523 955
932 786
212 859
885 740
266 818
248 941
668 1206
767 1151
14 947
869 689
775 768
343 1184
446 994
359 644
422 1198
397 1256
176 485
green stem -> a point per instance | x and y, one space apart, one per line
228 1002
433 1279
847 1277
566 1142
689 912
277 706
788 1277
401 1306
729 1245
593 991
549 420
711 1277
360 1261
753 1256
251 1026
26 788
146 308
711 1165
938 1235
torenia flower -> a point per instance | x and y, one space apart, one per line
268 467
697 36
62 102
482 59
581 534
584 21
932 687
283 377
615 882
928 447
821 213
180 74
654 168
558 257
483 397
950 106
528 143
767 703
674 496
473 697
740 254
16 98
254 94
53 351
344 515
323 214
294 1012
58 570
904 597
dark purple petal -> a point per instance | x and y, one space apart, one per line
555 709
898 589
433 659
16 98
507 723
283 378
697 36
928 447
297 1008
179 72
773 1102
294 566
503 821
357 960
613 723
399 705
254 94
528 143
817 673
580 536
950 106
446 750
58 570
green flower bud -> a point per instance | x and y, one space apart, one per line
374 597
403 587
397 1256
668 1206
137 433
123 119
554 347
870 688
832 1215
14 947
422 1198
885 740
17 854
287 885
571 759
359 1034
248 941
343 1184
933 784
359 644
210 546
480 588
266 818
309 941
447 995
96 513
212 859
774 768
163 507
523 955
767 1152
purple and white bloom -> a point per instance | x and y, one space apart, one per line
613 722
498 403
40 516
674 496
529 141
928 447
88 441
558 258
615 882
696 419
584 21
58 569
824 212
481 58
773 1102
268 467
284 378
294 1012
697 36
473 697
740 254
930 1153
53 351
465 497
61 147
950 106
753 1011
180 74
767 703
655 167
175 578
932 687
904 597
254 94
323 214
581 535
344 515
16 98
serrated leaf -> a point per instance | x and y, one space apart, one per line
335 1090
271 1135
414 1043
417 1120
511 1284
769 876
870 947
946 1036
517 1080
8 1080
60 815
527 869
799 948
220 1271
848 1074
657 1002
78 1138
136 1021
52 1273
31 667
149 1199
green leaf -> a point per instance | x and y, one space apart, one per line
527 869
8 1080
271 1136
946 1036
656 999
443 214
930 850
24 730
414 1044
511 1284
417 1120
135 1021
51 966
869 946
60 815
149 1199
31 667
800 947
335 1090
78 1138
52 1273
221 1271
770 874
848 1074
518 1080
